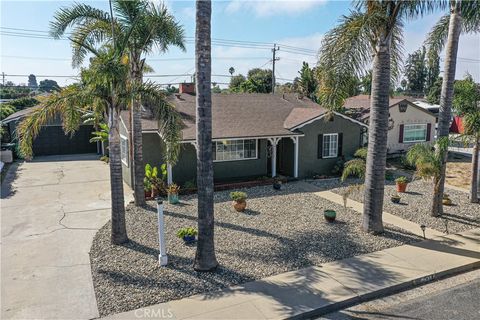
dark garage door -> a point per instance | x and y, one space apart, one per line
52 140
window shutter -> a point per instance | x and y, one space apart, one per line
340 145
320 146
429 129
400 136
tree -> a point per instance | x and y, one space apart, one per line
150 27
466 103
433 70
49 85
366 83
103 89
260 80
236 82
372 32
307 83
464 17
32 81
205 259
435 91
416 72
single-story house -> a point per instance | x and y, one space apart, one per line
52 140
408 123
254 135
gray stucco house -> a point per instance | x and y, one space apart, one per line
254 135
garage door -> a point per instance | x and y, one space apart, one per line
52 140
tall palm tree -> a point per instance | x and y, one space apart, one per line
370 35
464 17
205 259
144 27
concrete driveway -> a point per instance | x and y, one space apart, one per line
49 217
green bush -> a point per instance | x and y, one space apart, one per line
186 232
238 196
401 179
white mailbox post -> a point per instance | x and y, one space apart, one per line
162 257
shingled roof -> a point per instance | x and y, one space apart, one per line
243 115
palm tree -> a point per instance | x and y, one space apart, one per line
102 89
205 259
466 103
464 17
143 26
371 34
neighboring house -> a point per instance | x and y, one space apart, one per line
408 123
52 140
254 135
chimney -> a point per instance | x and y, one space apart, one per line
186 87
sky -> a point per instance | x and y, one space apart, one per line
299 24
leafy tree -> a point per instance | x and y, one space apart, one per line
236 82
433 70
307 83
371 34
466 103
48 85
32 81
143 27
366 83
216 89
205 259
464 16
435 91
260 80
416 72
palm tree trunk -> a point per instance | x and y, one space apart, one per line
446 97
119 230
474 180
377 141
138 166
205 259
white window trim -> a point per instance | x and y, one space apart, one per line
124 138
323 145
405 126
256 150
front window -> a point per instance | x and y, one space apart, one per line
330 145
229 150
415 133
124 149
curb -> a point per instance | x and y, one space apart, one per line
387 291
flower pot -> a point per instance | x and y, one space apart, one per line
395 199
277 185
447 201
401 186
330 215
240 205
173 198
189 239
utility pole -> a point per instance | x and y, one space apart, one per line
274 50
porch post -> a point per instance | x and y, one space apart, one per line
274 142
295 156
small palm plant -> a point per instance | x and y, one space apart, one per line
428 161
356 168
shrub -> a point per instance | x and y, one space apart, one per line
186 232
401 179
238 196
173 189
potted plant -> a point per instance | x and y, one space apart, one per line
395 198
401 184
446 200
239 202
277 184
172 191
187 234
330 215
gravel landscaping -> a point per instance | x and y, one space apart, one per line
280 231
416 202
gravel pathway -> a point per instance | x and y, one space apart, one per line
280 231
415 206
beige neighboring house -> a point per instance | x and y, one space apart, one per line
408 123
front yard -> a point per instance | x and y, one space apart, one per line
280 231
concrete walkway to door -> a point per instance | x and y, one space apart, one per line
49 216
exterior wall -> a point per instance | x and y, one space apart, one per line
308 162
411 116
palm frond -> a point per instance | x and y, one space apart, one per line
354 167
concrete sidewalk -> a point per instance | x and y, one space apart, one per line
322 289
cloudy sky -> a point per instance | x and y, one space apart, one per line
243 32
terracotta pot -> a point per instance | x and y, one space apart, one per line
240 205
401 186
